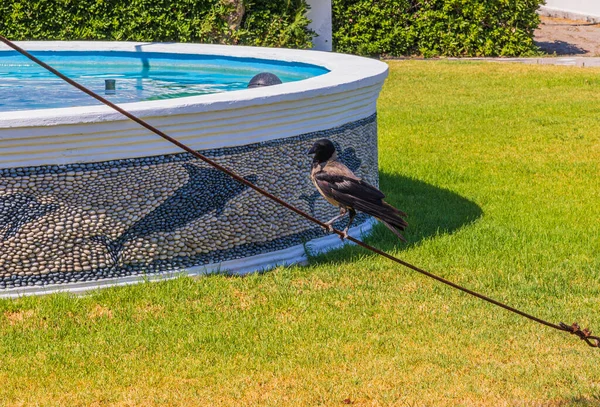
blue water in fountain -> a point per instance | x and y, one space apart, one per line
139 77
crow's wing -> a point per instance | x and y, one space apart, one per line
348 191
355 193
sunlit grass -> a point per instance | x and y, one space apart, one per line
498 167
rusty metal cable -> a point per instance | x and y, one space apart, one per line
583 334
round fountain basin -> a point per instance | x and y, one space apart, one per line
89 198
138 76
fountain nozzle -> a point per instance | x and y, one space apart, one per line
110 87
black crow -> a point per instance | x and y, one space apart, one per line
347 157
340 187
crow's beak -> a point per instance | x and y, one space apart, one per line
312 150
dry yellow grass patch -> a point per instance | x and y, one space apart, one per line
312 283
17 317
244 301
100 311
148 310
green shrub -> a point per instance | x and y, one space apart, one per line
435 27
278 23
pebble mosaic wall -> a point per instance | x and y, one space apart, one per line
82 222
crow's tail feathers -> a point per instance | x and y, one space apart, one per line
394 220
385 213
395 229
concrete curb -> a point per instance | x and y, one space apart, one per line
260 263
583 62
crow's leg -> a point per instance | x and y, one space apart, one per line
345 231
329 223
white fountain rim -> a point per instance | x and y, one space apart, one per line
346 73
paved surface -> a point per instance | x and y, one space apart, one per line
574 43
568 37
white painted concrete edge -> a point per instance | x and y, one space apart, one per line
259 263
347 73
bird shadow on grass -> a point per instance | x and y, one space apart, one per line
432 211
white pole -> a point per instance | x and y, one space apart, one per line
320 16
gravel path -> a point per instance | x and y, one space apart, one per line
568 37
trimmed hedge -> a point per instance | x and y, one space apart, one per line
364 27
275 23
435 27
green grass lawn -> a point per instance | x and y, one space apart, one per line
498 166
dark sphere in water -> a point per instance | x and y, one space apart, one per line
264 79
